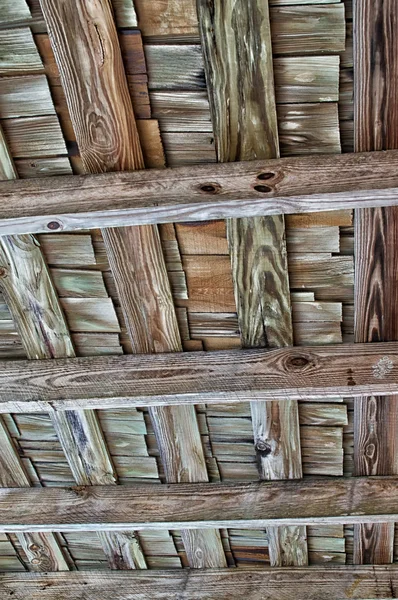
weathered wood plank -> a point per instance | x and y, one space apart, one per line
296 185
135 256
376 231
336 500
18 53
94 90
236 38
183 378
312 583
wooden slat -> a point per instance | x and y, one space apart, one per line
135 255
313 500
239 72
310 583
183 378
375 128
87 454
316 183
25 97
18 53
36 313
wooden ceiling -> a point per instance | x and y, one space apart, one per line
186 379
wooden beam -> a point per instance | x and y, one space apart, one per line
84 39
20 261
236 40
316 183
376 239
345 370
332 500
311 583
99 87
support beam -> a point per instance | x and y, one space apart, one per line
27 288
295 185
376 254
314 500
236 40
103 120
311 583
345 370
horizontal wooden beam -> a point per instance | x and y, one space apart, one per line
265 187
304 583
344 370
333 500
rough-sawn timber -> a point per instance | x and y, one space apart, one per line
252 188
304 583
314 500
192 377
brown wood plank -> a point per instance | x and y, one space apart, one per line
236 39
183 378
296 185
376 235
313 500
98 90
88 456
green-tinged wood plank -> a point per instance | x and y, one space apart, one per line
236 38
376 239
106 132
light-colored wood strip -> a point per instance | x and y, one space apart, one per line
376 419
33 137
14 11
25 97
18 53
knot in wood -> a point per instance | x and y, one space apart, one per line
34 547
265 176
210 188
263 448
54 225
298 362
3 272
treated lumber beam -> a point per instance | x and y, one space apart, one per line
311 583
376 254
99 87
236 40
345 370
203 192
314 500
84 39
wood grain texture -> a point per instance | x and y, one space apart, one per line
86 36
242 101
313 583
32 302
313 500
183 378
297 185
136 259
376 291
236 40
96 91
31 298
18 53
86 48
